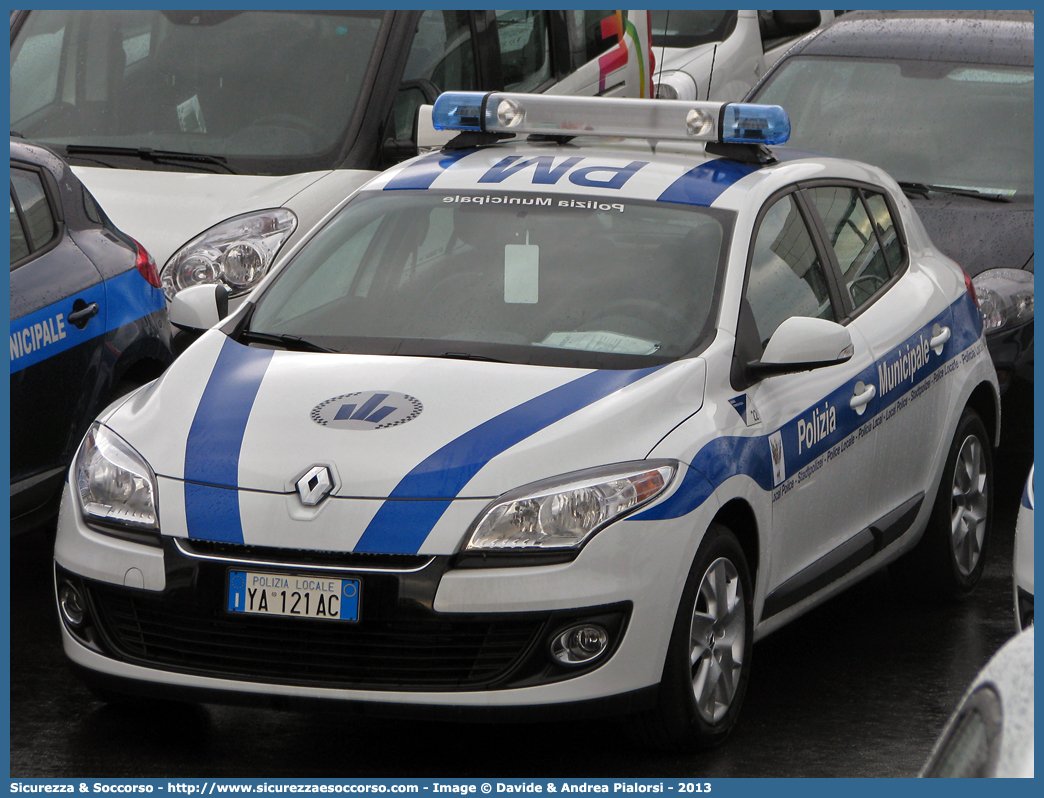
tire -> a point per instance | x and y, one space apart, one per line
948 561
708 658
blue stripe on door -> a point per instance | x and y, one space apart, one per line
46 332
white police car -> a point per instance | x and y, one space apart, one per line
557 424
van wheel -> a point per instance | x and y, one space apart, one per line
708 658
950 557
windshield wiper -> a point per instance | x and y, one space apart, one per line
294 343
925 189
155 156
469 356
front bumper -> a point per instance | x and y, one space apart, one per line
456 642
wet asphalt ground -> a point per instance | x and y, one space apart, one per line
858 687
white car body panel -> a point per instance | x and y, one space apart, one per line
230 429
166 210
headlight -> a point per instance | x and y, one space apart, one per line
237 252
563 512
1005 297
674 86
115 485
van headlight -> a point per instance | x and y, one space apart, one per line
563 512
117 488
674 86
238 252
1005 297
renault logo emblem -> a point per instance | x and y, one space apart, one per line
314 485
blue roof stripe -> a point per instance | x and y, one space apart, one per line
707 182
215 440
423 172
400 527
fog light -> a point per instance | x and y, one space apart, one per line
580 644
72 605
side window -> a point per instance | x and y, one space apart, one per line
525 60
851 233
886 230
19 245
28 191
443 52
591 33
786 277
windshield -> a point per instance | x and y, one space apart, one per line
680 28
965 126
556 280
271 92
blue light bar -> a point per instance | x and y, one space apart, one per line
747 123
505 112
458 110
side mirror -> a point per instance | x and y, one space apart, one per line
427 136
199 307
802 343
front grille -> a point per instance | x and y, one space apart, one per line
418 650
331 559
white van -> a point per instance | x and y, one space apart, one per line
220 138
720 55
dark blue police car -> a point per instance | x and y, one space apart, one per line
88 322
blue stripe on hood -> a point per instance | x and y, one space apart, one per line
400 527
215 440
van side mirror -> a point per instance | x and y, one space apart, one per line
199 307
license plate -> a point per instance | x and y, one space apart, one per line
294 596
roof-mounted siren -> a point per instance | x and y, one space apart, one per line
741 129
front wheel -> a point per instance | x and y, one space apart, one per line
708 659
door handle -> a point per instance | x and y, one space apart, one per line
81 315
862 396
939 337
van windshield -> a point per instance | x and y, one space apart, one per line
555 280
269 92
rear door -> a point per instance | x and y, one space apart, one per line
907 320
58 314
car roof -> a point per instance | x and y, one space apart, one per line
975 37
668 171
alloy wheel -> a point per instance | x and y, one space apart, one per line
717 638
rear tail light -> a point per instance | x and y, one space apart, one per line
146 266
971 287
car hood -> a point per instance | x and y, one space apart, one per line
231 415
165 210
680 57
979 235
